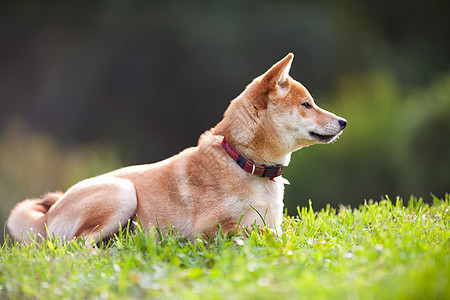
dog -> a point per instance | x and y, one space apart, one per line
231 179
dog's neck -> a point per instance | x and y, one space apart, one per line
246 126
250 167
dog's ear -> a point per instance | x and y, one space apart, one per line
275 79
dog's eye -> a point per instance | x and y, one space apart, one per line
306 105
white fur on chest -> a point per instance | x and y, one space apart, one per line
265 207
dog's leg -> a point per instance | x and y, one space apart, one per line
93 208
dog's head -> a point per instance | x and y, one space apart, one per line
293 111
276 115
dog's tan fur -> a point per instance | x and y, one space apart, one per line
202 186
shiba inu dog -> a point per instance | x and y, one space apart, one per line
232 177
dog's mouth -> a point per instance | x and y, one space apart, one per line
321 137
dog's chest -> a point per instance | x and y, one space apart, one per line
265 205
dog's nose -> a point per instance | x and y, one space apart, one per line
343 123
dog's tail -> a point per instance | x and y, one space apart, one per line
27 219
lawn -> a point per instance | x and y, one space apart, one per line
380 250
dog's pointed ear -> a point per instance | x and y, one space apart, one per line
275 78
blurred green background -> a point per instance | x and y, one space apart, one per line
86 87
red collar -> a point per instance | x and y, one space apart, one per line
248 166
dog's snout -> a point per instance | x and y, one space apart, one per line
342 123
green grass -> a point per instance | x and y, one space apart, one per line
381 250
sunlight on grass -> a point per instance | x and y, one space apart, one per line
380 250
